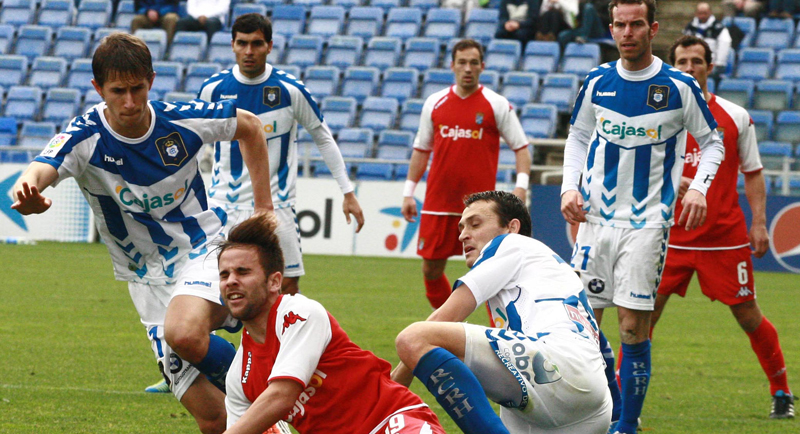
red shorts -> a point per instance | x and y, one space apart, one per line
438 237
411 422
724 275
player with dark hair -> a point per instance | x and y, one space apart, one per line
295 363
461 126
621 177
134 161
720 251
542 363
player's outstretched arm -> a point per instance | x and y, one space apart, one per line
271 406
350 206
694 210
756 191
27 190
416 168
254 153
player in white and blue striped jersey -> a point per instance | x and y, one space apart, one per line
622 168
134 160
281 101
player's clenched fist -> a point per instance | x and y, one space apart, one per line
694 210
572 207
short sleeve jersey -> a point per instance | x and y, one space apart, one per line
147 195
464 136
530 289
639 121
346 389
280 101
725 225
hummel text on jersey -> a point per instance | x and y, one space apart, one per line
289 319
614 93
112 160
234 96
460 133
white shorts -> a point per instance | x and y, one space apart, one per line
555 384
620 266
288 234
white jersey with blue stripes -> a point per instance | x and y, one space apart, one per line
638 123
146 193
530 289
281 101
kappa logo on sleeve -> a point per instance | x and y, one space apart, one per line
289 319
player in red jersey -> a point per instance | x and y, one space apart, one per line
720 250
461 126
295 363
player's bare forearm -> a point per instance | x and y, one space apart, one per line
401 374
272 405
27 190
417 165
457 308
694 210
684 186
254 153
350 206
756 192
572 207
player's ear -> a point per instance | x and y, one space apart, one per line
653 29
274 282
98 88
514 226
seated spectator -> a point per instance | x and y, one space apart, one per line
518 20
156 13
204 15
704 25
783 8
593 22
555 16
748 8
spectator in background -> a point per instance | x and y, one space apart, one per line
705 26
592 22
162 14
556 16
204 15
783 8
518 19
748 8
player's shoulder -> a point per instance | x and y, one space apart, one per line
678 76
437 98
193 109
601 70
494 98
224 75
298 307
730 107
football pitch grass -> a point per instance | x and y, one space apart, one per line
75 358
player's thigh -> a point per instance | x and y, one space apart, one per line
415 421
727 275
438 236
289 237
637 272
593 259
678 271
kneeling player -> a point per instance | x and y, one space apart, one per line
295 363
547 336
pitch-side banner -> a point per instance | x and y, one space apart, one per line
783 224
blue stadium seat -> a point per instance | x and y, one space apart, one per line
490 79
520 88
271 3
403 23
560 90
339 112
375 171
56 13
748 26
60 104
7 34
322 81
794 186
278 48
482 24
755 63
80 75
90 99
240 9
353 143
197 73
13 69
507 156
539 120
23 103
72 42
541 57
503 55
219 49
737 90
169 76
580 58
395 138
788 65
8 131
125 14
308 4
378 113
33 41
787 127
344 51
18 12
156 40
188 47
291 70
304 50
774 153
36 134
93 14
47 72
400 83
435 80
442 24
305 148
180 96
350 4
382 52
393 152
288 20
365 22
421 53
775 33
101 33
385 5
326 21
773 95
424 5
360 82
409 114
763 121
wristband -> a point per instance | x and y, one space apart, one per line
408 188
523 179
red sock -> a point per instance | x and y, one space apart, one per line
437 291
619 363
764 341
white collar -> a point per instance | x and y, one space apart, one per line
258 80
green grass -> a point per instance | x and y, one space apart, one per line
75 358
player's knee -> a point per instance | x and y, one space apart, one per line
212 423
410 343
190 344
433 270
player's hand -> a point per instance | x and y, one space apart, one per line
30 201
511 25
759 239
152 15
572 207
351 206
409 209
684 187
520 193
401 374
694 210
